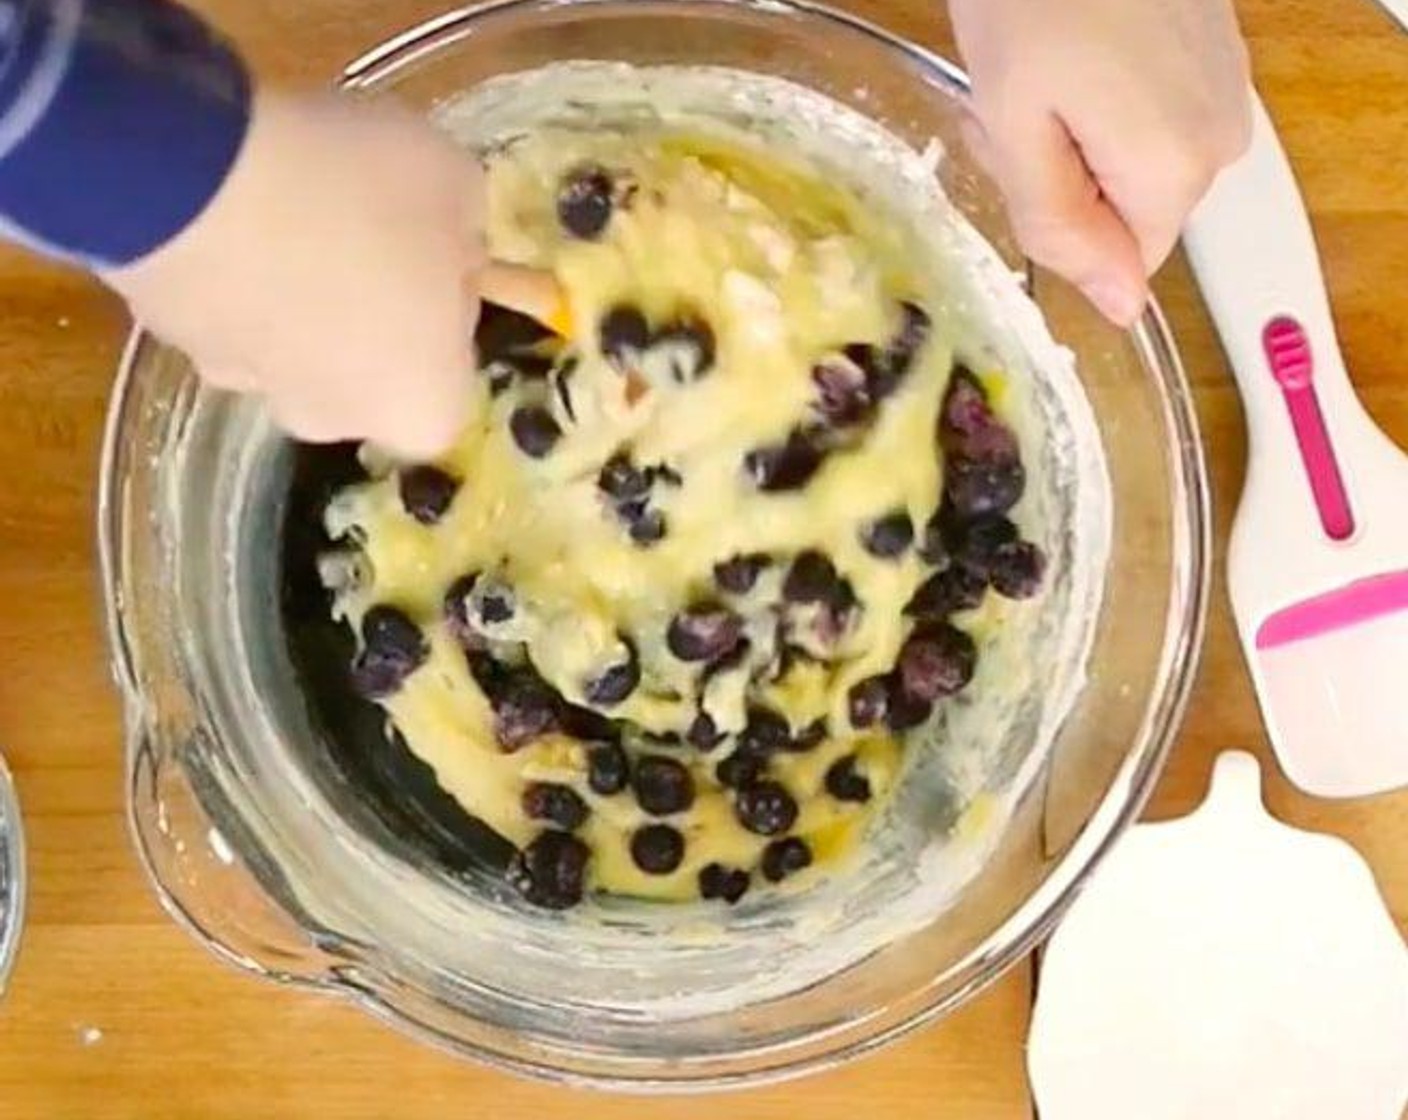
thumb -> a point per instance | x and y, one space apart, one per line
1059 215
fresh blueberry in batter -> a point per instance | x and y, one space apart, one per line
551 871
657 849
868 701
426 492
557 804
662 785
936 661
812 578
845 783
1017 569
608 769
534 430
704 632
789 465
888 537
784 858
622 334
621 480
585 202
740 769
392 649
703 733
616 682
766 808
738 574
956 588
727 883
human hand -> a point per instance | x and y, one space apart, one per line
1104 122
334 273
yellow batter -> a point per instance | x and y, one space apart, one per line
785 270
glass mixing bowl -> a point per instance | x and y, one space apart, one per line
272 853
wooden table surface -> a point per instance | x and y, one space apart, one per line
113 1012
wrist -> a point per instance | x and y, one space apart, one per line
122 119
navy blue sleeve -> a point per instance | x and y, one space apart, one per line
119 120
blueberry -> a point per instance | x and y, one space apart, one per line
868 701
585 725
956 588
616 682
965 412
980 487
844 783
727 883
662 785
976 543
812 578
426 493
1017 570
495 604
608 769
550 872
786 466
809 738
490 675
585 200
456 609
740 770
621 480
525 708
904 712
968 427
685 349
645 525
843 399
392 649
786 857
534 430
765 808
704 632
657 849
904 347
703 733
622 333
936 661
766 733
738 574
888 537
932 546
556 804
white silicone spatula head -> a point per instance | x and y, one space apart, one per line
1224 966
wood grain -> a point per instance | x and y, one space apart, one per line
181 1036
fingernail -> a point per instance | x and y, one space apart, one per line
1117 302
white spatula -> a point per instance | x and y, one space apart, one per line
1224 967
1318 560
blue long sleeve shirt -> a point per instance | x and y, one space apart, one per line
119 120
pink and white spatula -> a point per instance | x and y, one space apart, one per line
1318 560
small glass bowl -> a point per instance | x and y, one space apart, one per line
264 849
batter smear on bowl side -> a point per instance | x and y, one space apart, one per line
666 614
